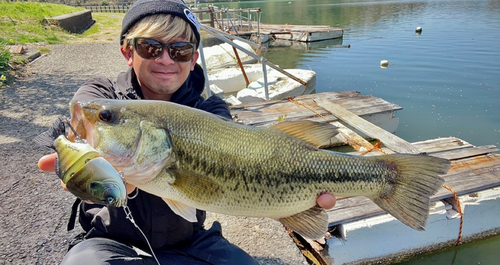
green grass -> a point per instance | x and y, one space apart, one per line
23 22
107 28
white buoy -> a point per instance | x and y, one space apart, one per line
384 63
418 30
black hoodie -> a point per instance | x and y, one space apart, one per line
163 228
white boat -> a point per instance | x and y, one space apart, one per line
231 81
222 55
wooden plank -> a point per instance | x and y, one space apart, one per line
265 113
390 140
442 144
462 153
471 175
351 138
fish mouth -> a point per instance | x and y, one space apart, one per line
83 127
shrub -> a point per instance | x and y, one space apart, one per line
5 68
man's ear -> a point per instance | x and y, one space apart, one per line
128 55
194 59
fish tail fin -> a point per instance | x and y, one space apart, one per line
418 179
48 137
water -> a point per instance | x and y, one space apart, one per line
447 79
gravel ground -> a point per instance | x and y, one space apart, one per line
33 207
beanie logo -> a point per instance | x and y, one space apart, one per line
192 18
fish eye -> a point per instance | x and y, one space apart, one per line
106 115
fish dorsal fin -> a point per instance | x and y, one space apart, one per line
311 223
315 133
182 210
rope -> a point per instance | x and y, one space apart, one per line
459 209
377 146
292 99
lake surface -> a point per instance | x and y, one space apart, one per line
447 79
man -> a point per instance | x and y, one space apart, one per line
159 41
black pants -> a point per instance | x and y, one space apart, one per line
207 247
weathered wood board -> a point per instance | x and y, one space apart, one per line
390 140
268 112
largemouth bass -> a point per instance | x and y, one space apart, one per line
85 174
194 159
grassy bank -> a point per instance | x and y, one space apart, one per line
23 23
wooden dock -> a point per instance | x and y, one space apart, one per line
246 22
375 110
474 176
302 33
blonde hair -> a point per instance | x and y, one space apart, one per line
163 27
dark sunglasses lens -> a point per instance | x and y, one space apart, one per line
181 51
148 49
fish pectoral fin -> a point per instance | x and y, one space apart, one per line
155 145
311 223
196 187
315 133
182 210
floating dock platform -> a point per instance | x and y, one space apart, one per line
362 233
302 33
246 22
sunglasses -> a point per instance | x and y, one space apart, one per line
152 49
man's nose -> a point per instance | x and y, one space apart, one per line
165 58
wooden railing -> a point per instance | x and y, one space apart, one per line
228 19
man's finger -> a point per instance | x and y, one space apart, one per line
47 162
326 201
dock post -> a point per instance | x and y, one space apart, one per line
205 73
264 72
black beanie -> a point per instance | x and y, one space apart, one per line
144 8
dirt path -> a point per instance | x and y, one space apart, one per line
34 210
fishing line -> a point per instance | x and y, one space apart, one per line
68 123
136 192
129 216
